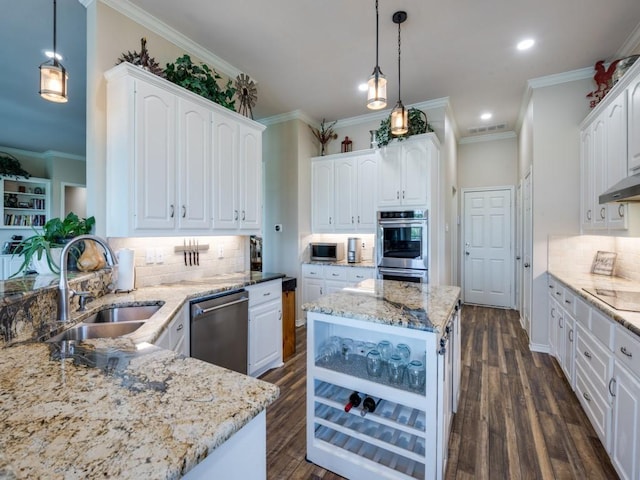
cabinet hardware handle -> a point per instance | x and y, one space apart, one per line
235 214
526 265
612 381
553 312
560 322
397 194
621 210
586 396
359 276
321 291
626 352
179 327
266 294
172 211
352 220
358 218
558 293
587 354
568 302
571 335
403 194
551 286
335 274
243 215
589 214
184 211
602 210
329 220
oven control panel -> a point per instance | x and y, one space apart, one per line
404 214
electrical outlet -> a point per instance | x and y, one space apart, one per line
220 251
363 245
159 256
150 256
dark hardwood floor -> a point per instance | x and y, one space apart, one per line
517 417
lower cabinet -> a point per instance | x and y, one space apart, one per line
265 327
625 445
177 336
318 280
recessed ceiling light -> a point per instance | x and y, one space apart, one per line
363 87
486 116
526 44
49 54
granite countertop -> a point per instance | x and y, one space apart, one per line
122 407
409 305
578 281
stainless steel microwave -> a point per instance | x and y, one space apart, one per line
326 252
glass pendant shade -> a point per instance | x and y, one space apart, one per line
53 82
399 120
377 90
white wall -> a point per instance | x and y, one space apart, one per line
490 161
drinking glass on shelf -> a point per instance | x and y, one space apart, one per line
385 347
374 363
415 374
396 369
325 355
404 351
335 342
368 346
347 350
360 348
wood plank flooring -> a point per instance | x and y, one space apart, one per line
517 417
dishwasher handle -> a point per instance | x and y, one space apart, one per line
198 311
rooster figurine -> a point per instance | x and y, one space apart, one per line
602 78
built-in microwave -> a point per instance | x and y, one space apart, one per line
326 252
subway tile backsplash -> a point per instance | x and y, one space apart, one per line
576 254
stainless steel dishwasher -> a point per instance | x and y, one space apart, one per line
219 329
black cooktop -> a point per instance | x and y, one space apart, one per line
618 299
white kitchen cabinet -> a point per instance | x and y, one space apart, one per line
633 123
319 280
616 157
344 192
406 172
265 327
26 202
9 264
177 163
176 336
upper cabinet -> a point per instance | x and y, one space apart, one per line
344 192
178 163
610 150
405 172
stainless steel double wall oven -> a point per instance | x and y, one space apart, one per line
402 245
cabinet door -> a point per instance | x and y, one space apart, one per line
390 176
265 336
225 172
345 185
250 190
312 289
568 345
415 174
194 132
155 158
322 196
587 176
633 127
625 447
599 171
616 156
554 318
367 193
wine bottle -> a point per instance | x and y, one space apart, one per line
369 406
354 401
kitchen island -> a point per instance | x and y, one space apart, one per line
123 408
406 436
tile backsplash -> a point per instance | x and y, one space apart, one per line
157 262
576 254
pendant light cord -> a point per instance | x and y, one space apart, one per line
55 58
377 64
399 82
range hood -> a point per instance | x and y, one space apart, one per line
626 190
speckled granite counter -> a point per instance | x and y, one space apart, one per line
120 408
409 305
578 281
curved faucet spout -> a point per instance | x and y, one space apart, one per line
63 285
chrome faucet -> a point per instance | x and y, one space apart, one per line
63 286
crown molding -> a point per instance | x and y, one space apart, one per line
43 155
86 3
285 117
631 44
489 137
135 13
558 78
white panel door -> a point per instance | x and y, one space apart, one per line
633 118
322 196
345 191
616 160
488 262
225 172
250 188
415 174
527 251
367 193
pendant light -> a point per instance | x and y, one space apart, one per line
399 116
377 84
53 76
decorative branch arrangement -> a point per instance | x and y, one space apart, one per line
325 134
142 59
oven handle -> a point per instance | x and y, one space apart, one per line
402 223
402 271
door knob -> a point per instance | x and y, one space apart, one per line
467 253
526 265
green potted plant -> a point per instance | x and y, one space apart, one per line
417 124
42 249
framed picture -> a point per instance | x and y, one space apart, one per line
603 263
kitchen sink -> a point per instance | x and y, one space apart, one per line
123 314
96 330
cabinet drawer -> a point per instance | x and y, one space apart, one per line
558 293
177 331
583 313
593 358
356 274
569 302
264 292
312 271
335 273
595 405
627 349
602 328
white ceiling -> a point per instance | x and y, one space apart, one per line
311 55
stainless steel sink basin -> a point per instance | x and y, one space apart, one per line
123 314
96 330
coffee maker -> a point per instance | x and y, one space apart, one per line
354 252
